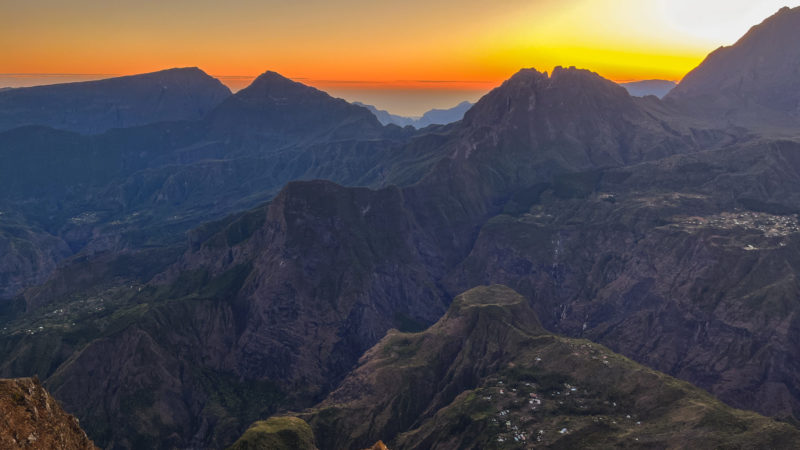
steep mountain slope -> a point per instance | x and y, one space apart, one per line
755 81
279 108
95 106
254 317
487 375
685 264
31 418
144 186
525 133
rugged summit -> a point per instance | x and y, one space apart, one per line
95 106
756 80
275 107
487 375
31 418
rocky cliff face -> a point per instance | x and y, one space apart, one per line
95 106
278 108
254 317
487 375
33 419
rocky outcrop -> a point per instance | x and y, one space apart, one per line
32 419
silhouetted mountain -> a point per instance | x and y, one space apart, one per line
95 106
432 117
444 116
276 106
643 88
386 118
487 375
756 80
147 185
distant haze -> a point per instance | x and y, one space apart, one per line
410 102
414 40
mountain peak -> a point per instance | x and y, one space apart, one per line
270 84
752 80
275 104
487 307
529 92
272 77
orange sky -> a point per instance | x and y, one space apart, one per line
468 45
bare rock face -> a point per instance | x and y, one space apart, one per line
31 418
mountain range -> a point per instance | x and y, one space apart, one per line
175 282
432 117
95 106
643 88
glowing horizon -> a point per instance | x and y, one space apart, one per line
348 45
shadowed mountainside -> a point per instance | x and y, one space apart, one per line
753 82
145 186
487 375
93 107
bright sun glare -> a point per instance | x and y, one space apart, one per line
717 22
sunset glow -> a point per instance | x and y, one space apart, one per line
469 45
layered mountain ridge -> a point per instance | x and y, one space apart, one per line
93 107
628 221
488 375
